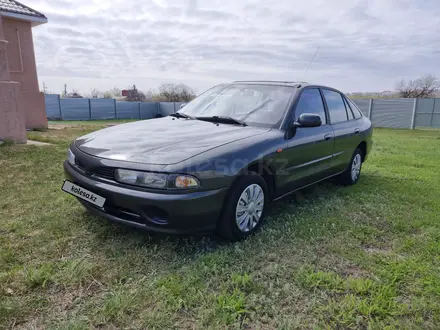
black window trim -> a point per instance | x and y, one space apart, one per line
348 100
348 107
326 106
294 105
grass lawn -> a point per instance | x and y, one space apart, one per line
366 256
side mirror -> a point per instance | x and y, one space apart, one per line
182 105
308 120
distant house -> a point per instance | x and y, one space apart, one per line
75 96
21 103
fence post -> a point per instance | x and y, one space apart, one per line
413 118
370 109
139 104
90 110
59 105
432 113
116 111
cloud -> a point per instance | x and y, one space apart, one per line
364 45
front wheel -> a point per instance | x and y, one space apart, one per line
353 172
244 210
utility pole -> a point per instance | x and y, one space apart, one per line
65 91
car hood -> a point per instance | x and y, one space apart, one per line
162 141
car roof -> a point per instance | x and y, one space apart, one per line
272 82
297 84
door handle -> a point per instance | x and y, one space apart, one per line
357 131
328 136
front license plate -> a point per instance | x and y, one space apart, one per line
82 193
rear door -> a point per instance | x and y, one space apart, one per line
346 130
310 149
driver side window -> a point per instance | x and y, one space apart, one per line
310 101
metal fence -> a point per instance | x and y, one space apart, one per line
401 113
92 109
393 113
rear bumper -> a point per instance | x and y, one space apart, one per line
159 212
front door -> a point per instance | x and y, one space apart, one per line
310 149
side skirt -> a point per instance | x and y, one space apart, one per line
307 185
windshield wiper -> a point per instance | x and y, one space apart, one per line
223 120
182 115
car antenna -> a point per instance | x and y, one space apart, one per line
311 61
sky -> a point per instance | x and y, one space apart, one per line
363 45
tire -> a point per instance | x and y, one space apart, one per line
235 207
353 172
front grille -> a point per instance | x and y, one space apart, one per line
102 172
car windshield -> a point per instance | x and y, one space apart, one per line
258 105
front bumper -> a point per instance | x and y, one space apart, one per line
159 212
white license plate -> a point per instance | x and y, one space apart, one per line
82 193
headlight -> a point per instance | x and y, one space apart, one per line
145 179
186 181
156 180
70 157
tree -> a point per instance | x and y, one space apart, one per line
95 93
423 87
115 92
107 95
175 93
112 93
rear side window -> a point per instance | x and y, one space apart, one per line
310 101
335 105
356 112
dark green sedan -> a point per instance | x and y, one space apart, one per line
218 162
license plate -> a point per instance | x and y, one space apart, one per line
82 193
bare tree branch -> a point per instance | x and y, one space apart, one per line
426 86
174 93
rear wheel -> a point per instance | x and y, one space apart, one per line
244 210
353 171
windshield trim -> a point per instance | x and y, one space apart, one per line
289 109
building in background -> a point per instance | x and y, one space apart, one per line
21 103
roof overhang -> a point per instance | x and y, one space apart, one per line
33 19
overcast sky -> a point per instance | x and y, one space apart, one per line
364 45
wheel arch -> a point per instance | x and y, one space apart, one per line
266 172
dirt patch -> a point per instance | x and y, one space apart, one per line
37 143
60 126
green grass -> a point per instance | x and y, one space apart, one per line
328 257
